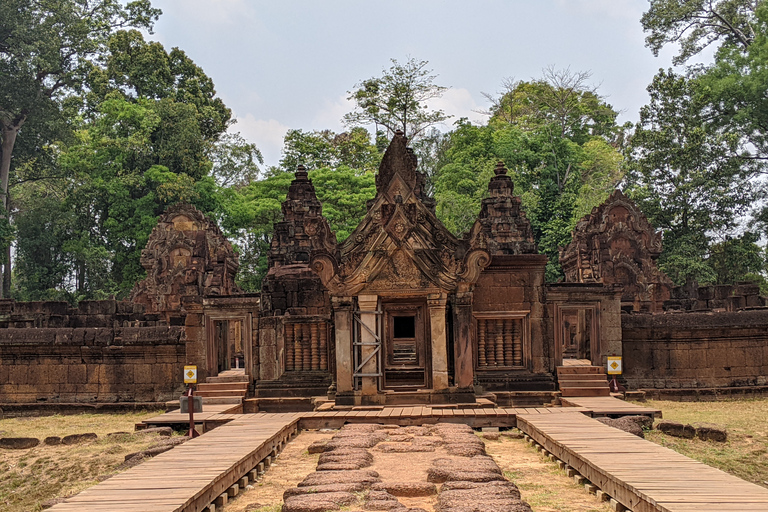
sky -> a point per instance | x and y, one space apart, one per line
290 64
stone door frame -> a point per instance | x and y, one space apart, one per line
595 354
422 327
246 318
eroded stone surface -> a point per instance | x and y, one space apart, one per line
362 476
675 429
406 489
627 424
319 502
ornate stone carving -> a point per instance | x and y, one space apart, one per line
501 227
186 255
400 244
616 245
303 228
291 285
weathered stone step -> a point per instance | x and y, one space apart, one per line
213 386
582 376
222 393
570 370
585 391
584 384
219 400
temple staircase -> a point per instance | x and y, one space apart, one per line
582 380
228 387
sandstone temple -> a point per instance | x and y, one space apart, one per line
402 311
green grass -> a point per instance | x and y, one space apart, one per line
32 477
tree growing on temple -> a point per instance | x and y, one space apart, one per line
398 100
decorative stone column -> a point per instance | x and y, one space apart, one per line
368 304
464 341
342 311
436 303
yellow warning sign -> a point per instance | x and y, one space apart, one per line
614 365
190 375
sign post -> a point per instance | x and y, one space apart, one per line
614 369
190 377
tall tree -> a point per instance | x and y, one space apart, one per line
326 148
700 150
46 52
148 134
397 100
687 178
696 24
558 138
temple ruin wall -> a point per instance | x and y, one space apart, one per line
102 351
695 350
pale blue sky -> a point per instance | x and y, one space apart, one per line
289 63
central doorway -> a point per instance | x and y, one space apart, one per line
228 344
406 350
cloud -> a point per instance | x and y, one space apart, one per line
330 114
212 12
267 134
458 103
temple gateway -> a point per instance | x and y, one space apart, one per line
401 312
402 308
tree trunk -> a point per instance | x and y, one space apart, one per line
9 133
6 149
7 273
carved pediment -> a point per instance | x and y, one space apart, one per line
615 244
186 254
400 244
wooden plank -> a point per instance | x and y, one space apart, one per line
215 461
641 475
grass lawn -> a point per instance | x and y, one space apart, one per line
29 478
745 454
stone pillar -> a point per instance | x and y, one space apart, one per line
342 319
436 303
463 341
368 304
610 329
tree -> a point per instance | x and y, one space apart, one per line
558 138
686 178
696 24
561 101
397 100
318 149
46 52
701 147
738 259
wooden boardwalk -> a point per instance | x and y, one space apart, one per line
213 415
609 406
192 475
419 415
641 475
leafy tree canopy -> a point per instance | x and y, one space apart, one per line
397 100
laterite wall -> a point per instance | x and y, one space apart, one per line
102 351
695 350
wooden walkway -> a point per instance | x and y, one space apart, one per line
192 475
641 475
212 416
609 406
418 415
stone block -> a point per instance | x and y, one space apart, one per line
675 429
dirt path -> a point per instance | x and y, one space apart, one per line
541 483
290 467
545 487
